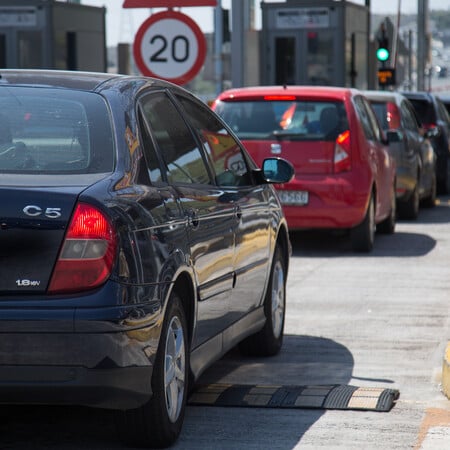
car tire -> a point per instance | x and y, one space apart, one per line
268 341
443 187
363 235
387 226
410 209
430 200
158 423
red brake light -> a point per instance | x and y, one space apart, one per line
342 153
274 98
87 254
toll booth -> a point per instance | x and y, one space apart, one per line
38 34
315 42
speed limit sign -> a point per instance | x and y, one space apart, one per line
171 46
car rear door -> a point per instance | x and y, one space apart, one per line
382 164
209 219
250 203
413 137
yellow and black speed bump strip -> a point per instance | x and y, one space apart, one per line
319 396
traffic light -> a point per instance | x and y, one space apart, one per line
383 50
226 25
383 44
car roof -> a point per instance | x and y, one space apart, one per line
54 78
259 92
418 95
78 80
383 95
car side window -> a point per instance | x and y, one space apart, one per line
225 154
182 159
409 120
365 118
373 121
148 148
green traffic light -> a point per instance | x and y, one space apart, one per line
382 54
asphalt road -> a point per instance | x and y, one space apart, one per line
377 320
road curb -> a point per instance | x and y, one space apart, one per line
446 372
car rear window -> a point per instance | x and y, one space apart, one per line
54 131
387 114
301 120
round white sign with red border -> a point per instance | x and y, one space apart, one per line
171 46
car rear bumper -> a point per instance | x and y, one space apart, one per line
334 203
93 356
119 388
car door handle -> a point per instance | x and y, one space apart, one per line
238 212
192 216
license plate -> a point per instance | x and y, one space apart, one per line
297 198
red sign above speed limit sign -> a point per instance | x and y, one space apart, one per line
171 46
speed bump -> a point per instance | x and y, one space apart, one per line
312 396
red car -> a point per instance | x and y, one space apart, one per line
344 174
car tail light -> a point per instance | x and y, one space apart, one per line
87 254
342 153
429 126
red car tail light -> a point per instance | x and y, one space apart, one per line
429 126
342 153
87 254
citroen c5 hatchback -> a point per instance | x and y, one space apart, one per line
344 173
138 243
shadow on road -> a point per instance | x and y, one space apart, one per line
325 243
330 244
303 361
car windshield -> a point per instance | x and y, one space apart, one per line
300 120
54 131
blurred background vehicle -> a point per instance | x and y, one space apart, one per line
445 99
410 145
344 174
434 116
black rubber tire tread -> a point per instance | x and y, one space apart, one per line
430 200
410 209
264 343
149 425
387 226
362 238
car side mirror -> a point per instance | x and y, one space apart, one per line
277 170
394 136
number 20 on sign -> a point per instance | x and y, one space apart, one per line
171 46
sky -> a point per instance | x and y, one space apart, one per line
122 24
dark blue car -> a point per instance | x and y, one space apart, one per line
138 243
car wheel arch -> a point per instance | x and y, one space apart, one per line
184 286
283 242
